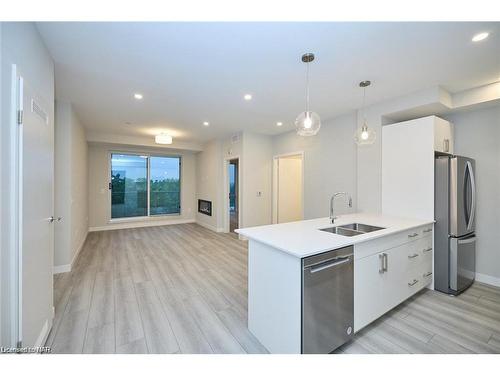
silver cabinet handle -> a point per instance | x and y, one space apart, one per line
412 235
50 219
413 282
427 250
413 256
427 230
383 263
427 274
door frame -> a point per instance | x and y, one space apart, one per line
275 183
15 234
225 178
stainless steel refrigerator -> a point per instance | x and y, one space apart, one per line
455 214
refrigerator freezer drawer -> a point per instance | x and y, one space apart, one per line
462 262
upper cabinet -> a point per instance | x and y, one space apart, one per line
443 135
408 150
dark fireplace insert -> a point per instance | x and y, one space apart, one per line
205 207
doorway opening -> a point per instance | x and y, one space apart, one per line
288 187
233 188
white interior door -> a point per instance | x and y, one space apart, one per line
36 229
289 189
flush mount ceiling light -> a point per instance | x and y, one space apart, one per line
138 96
206 123
279 123
364 135
307 123
247 97
480 36
163 139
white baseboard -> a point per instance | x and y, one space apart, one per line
44 333
62 269
211 227
67 267
140 224
487 279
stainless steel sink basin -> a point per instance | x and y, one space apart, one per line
353 229
342 231
365 228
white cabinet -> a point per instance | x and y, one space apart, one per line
389 275
408 165
443 135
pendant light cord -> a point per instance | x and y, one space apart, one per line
307 87
364 111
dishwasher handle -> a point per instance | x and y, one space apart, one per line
329 264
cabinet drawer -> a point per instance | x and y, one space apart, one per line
419 250
377 245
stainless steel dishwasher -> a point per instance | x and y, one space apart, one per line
327 300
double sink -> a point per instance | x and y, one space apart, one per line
350 230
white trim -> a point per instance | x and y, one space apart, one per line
212 228
44 333
15 207
275 182
141 224
61 269
487 279
225 178
67 267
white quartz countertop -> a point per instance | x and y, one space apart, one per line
303 238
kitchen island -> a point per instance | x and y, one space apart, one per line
390 265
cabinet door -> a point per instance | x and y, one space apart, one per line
369 290
408 169
443 136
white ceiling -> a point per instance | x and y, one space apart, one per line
195 72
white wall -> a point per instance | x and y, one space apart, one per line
477 135
256 168
21 45
71 186
329 164
99 178
209 184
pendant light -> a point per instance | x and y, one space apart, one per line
364 135
308 122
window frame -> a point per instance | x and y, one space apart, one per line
148 186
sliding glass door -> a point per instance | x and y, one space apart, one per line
165 184
144 185
129 176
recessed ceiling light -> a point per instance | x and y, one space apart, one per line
206 123
479 37
247 97
279 123
163 139
138 96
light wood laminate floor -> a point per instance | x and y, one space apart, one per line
183 289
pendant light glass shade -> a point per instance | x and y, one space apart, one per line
307 123
364 135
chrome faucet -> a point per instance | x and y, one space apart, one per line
332 200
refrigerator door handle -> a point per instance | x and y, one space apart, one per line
473 198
